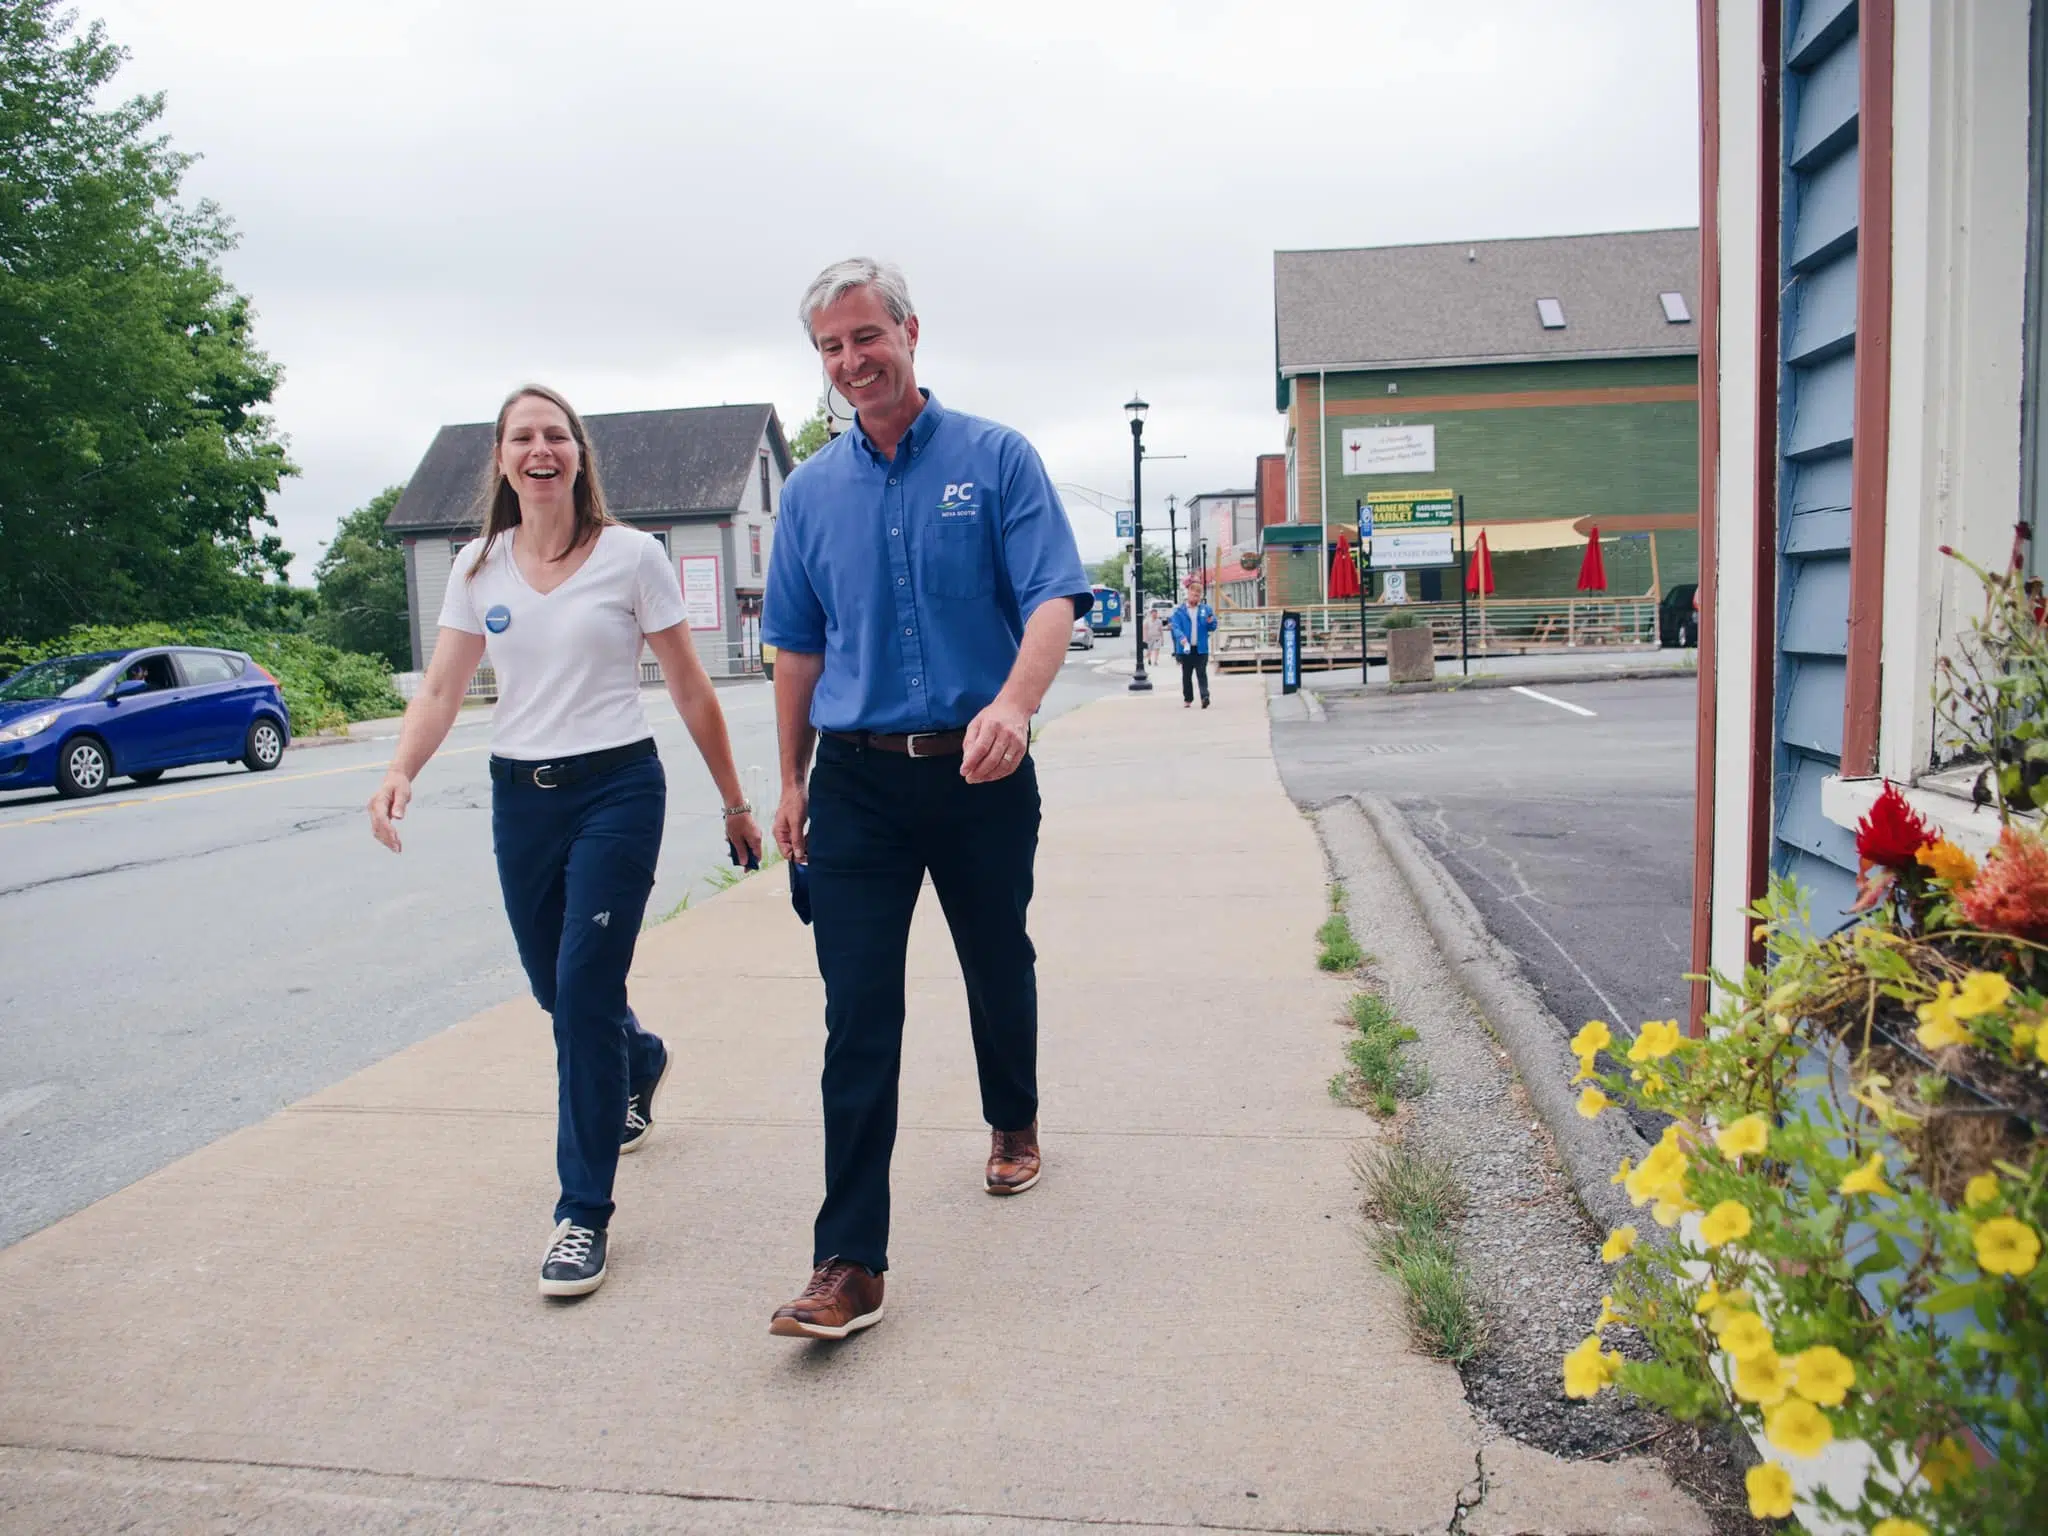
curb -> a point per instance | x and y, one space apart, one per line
1533 1035
1500 680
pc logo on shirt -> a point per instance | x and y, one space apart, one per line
499 619
958 500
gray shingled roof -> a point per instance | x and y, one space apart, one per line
1475 301
653 463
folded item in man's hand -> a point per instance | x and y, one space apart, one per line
800 889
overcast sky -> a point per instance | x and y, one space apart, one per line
439 199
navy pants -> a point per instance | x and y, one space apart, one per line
1194 665
879 822
576 864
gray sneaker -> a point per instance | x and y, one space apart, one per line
640 1107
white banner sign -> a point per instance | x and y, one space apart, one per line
1390 450
1392 551
703 595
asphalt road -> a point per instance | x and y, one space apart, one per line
181 960
1571 832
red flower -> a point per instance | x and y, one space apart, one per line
2010 894
1892 832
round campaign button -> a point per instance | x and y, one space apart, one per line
499 619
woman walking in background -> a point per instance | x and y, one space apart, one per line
562 596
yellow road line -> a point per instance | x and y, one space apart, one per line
254 781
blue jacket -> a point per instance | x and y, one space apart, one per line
1191 630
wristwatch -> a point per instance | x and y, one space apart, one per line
744 808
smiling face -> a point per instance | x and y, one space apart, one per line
537 450
867 355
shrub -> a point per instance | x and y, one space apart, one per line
322 687
1401 618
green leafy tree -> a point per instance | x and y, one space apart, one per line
812 435
1158 578
135 459
362 585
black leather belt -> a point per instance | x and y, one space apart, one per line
560 771
916 744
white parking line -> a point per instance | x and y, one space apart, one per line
1531 693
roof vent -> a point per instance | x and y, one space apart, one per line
1674 308
1551 313
1471 253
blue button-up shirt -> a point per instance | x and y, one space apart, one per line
914 575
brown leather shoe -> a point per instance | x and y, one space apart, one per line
1013 1161
842 1298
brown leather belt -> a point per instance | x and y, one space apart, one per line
917 744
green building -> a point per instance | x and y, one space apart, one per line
1553 383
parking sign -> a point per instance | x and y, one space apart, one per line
1126 524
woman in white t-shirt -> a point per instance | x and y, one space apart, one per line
562 597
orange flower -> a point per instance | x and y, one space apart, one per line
1946 862
2010 894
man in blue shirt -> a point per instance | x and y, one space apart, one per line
921 595
1194 621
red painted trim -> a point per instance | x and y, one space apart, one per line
1763 679
1873 391
1710 448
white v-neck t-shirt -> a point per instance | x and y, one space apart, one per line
568 661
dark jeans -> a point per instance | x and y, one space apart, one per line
878 822
1194 665
576 864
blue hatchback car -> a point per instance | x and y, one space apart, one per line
76 722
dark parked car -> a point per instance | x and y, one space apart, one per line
1678 617
77 721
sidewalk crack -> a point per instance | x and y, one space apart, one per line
1471 1496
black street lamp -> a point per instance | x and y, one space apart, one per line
1172 547
1137 407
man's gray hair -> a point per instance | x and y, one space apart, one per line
842 277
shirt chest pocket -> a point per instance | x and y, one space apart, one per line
955 560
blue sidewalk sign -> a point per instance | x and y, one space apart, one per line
1126 524
1290 652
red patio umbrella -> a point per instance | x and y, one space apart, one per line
1479 569
1592 569
1343 570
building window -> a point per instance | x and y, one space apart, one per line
1293 490
754 542
767 502
1551 313
1675 310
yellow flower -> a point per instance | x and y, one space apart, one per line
1946 1463
1608 1316
1745 1138
1869 1179
1725 1223
1621 1174
1799 1427
1620 1244
1592 1040
1982 992
1591 1102
1897 1527
1762 1379
1770 1491
2005 1246
1588 1369
1671 1208
2041 1045
1745 1337
1941 1019
1661 1175
1656 1040
1823 1375
1948 862
1981 1190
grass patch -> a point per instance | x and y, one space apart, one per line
1416 1198
1338 950
1378 1071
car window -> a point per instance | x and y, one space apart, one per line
156 671
67 677
206 667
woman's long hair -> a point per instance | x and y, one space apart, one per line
499 503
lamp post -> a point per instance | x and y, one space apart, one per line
1137 407
1172 548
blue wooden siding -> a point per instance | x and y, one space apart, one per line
1816 421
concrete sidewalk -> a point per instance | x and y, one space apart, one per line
328 1321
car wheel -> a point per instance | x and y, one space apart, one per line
147 776
83 767
263 749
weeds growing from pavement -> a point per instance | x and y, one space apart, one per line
1339 950
1416 1199
1378 1073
